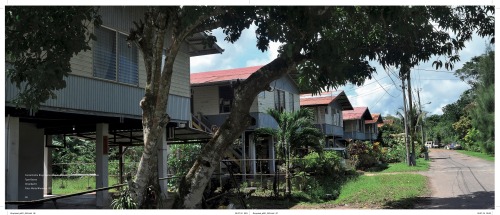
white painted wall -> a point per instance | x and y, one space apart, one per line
206 100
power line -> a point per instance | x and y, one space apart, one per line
369 93
364 85
389 71
433 70
383 88
443 79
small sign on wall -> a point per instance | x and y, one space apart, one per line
105 145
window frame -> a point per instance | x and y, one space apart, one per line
222 100
117 55
279 104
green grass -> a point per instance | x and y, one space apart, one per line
383 190
478 155
67 185
422 165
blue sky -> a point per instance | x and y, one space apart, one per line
381 94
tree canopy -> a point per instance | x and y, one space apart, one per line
470 120
39 44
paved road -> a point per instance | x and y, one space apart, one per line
458 181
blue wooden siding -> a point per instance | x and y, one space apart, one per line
263 120
105 97
286 84
331 130
121 17
354 135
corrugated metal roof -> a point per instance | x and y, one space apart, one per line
222 75
377 118
357 113
326 98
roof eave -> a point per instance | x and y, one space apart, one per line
197 48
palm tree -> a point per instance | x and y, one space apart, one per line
295 130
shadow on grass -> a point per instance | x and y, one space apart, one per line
408 203
261 202
476 200
378 168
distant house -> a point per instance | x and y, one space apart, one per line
212 96
372 126
386 122
99 103
327 108
354 123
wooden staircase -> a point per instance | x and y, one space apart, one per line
198 123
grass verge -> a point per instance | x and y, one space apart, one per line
67 185
383 191
394 191
478 155
422 165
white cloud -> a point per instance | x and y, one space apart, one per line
271 54
207 61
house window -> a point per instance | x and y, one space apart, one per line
279 100
292 108
113 58
326 110
226 96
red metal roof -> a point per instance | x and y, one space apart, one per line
377 118
222 75
323 98
326 98
357 113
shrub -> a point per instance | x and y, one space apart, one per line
124 201
396 150
319 189
328 163
364 155
181 160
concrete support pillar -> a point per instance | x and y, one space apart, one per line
102 146
253 155
162 163
47 166
12 160
272 156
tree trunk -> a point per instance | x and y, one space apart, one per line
193 184
147 188
149 37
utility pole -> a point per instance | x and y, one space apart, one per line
410 121
406 123
422 116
